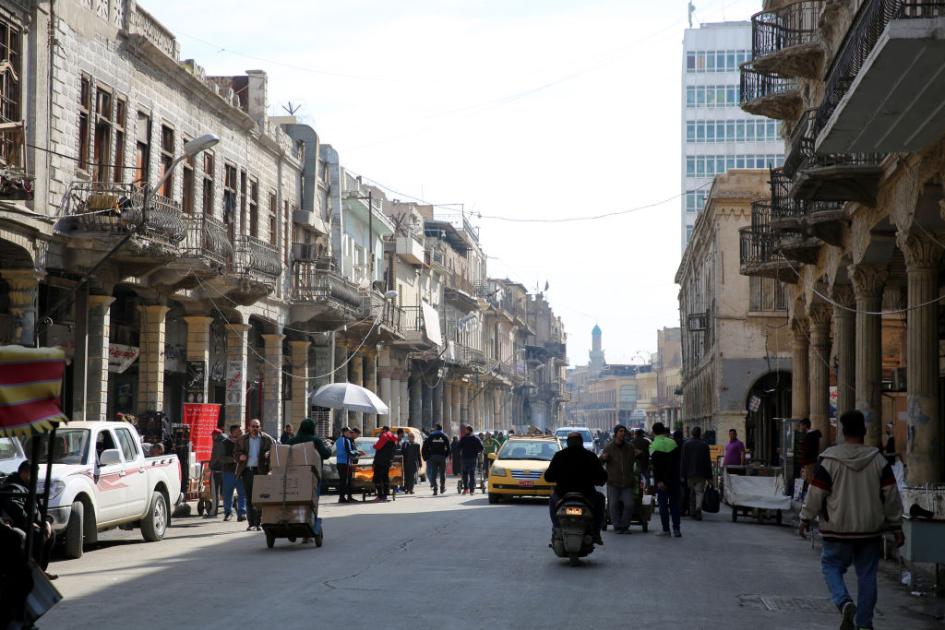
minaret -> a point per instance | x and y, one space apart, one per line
596 354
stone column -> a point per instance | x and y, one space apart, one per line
151 358
868 283
198 352
447 417
426 419
339 375
298 361
843 319
272 385
405 399
924 424
356 374
386 393
437 403
416 400
800 383
457 418
819 366
96 399
370 382
236 347
24 296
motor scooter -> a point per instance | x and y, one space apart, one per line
573 538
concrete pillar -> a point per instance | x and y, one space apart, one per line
298 361
370 382
447 417
868 284
237 336
394 417
800 381
426 420
819 366
96 398
405 399
457 416
272 385
385 394
437 403
416 400
24 296
844 329
198 355
152 319
924 423
356 374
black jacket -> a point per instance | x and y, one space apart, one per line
469 446
436 444
810 448
385 455
411 454
575 469
696 459
664 460
13 496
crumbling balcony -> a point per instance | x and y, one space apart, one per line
319 287
769 95
883 92
16 183
758 256
206 241
120 209
256 266
413 328
786 40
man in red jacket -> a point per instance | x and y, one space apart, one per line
383 457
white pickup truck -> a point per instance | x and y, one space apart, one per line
101 479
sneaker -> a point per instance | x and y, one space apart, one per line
259 528
849 612
665 532
241 518
250 528
435 492
442 489
342 500
597 539
227 517
677 533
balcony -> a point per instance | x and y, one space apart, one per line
884 88
758 256
768 95
376 308
410 250
317 282
786 40
256 259
119 209
16 184
206 241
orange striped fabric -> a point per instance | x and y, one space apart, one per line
30 385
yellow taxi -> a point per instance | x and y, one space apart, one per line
518 469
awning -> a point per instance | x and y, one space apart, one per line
30 386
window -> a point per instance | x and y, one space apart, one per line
120 119
730 61
710 131
102 147
254 208
700 131
286 225
103 442
85 114
244 221
739 130
730 130
700 61
766 294
229 197
207 192
143 148
129 447
690 62
691 96
273 218
690 131
690 166
167 160
710 61
10 42
187 184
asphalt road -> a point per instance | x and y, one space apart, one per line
456 562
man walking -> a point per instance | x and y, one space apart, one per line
218 442
288 432
252 458
436 448
622 481
230 481
642 444
344 451
489 446
469 449
664 457
411 454
384 449
696 470
854 495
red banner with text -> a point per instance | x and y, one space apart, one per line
202 419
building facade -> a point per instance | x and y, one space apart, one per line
716 134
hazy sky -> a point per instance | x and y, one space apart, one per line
525 109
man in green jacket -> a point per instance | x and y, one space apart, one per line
622 481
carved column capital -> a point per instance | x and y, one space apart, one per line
801 328
843 296
920 251
868 280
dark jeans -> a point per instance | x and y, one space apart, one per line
436 467
382 478
248 475
410 478
344 481
231 483
216 491
598 507
469 472
669 505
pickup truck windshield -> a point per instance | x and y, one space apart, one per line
70 446
8 448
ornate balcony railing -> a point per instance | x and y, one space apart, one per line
803 155
255 257
120 208
207 239
785 27
754 85
757 248
317 280
412 319
868 26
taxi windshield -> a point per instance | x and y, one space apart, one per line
538 450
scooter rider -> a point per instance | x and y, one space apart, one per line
576 469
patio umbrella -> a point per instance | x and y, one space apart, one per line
348 396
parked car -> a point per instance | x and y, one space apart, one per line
518 469
102 480
586 435
11 454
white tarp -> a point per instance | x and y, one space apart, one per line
431 322
756 492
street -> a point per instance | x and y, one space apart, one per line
457 562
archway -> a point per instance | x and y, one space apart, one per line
768 402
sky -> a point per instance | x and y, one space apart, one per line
523 109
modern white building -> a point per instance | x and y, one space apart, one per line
716 134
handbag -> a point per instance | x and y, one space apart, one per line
711 502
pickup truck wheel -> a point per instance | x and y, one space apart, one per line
75 532
154 524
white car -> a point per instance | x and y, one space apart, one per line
586 435
101 480
11 454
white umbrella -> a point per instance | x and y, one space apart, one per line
348 396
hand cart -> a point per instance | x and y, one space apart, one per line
750 491
293 520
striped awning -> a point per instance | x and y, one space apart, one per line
30 383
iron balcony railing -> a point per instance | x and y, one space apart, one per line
782 205
788 26
383 310
412 319
757 248
803 154
206 238
120 208
255 257
315 281
754 85
868 26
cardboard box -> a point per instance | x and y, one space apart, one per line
283 456
293 485
295 513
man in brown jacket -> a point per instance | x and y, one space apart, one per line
252 458
622 482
